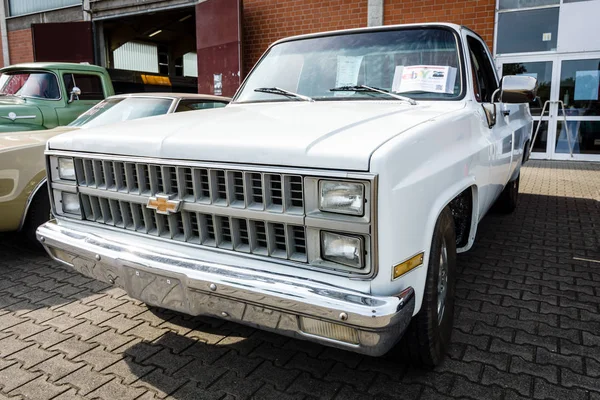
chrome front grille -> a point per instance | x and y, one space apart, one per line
257 213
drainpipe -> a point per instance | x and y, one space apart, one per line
4 34
375 13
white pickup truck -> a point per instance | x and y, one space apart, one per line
327 202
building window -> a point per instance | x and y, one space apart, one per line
513 4
190 65
22 7
527 31
134 56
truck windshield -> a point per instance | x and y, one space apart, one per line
421 63
122 109
42 85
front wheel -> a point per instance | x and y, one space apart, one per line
428 335
38 213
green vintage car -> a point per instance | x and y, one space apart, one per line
39 96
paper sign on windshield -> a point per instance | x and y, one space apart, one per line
424 78
347 72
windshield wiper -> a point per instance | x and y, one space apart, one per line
365 88
283 92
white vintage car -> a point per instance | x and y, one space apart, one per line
327 202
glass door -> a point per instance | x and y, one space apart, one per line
574 80
543 69
578 88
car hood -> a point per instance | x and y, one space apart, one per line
16 140
336 135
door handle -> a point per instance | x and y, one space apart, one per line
506 113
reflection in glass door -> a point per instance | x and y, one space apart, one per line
574 80
542 71
579 89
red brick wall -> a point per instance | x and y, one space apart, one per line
265 21
475 14
20 46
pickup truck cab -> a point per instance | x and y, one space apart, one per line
327 202
39 96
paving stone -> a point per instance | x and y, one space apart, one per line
86 330
75 308
116 390
147 332
97 315
120 323
168 361
15 376
548 372
160 383
31 356
544 356
73 346
111 339
57 367
70 394
11 344
499 361
49 338
98 358
128 370
190 391
281 378
545 390
63 322
85 380
39 389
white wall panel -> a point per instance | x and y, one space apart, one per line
578 27
135 56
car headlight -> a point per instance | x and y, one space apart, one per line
342 249
70 203
342 197
66 169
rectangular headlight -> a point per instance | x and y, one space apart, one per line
70 203
66 169
342 249
342 197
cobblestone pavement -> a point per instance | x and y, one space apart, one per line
527 324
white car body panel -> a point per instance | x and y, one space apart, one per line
299 134
422 157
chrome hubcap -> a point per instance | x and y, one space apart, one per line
442 282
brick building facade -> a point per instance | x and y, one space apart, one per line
265 21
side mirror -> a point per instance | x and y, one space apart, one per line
518 89
75 93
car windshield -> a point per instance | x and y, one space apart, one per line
421 63
122 109
41 85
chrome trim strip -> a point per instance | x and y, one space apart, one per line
215 165
248 295
28 202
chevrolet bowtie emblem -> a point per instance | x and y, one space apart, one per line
163 204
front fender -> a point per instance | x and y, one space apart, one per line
420 172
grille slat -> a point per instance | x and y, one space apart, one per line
259 191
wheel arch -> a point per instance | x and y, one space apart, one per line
36 190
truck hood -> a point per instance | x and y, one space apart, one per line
335 135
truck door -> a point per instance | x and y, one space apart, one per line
92 92
499 134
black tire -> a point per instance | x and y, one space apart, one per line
38 213
426 340
507 202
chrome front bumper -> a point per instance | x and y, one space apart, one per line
285 304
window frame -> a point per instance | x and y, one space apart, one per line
470 35
99 76
458 35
